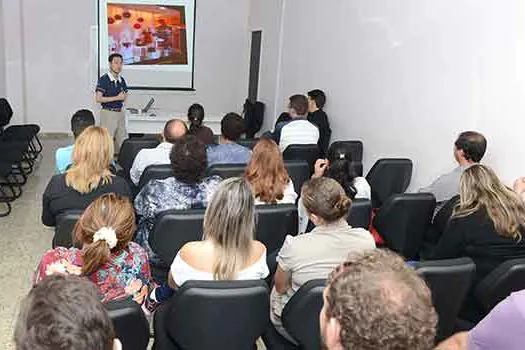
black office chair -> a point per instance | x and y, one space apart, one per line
65 223
131 326
213 315
173 229
300 318
226 171
299 172
360 213
309 153
129 150
389 176
355 152
249 143
155 172
440 222
274 222
449 280
27 133
509 277
403 220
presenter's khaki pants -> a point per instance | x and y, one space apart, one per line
115 122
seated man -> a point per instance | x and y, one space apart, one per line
469 149
298 131
228 151
64 312
316 102
188 188
376 301
173 130
79 121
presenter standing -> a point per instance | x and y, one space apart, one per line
111 93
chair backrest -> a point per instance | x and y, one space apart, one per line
507 278
403 220
131 326
300 316
218 314
155 172
6 112
389 176
360 213
449 280
355 151
249 143
299 172
65 223
440 221
130 148
173 229
274 222
309 153
225 171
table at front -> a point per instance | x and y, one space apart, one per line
154 124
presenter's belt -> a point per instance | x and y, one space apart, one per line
112 109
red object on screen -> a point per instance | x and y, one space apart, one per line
126 14
140 19
136 26
111 20
118 17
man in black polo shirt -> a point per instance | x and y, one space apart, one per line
316 102
111 93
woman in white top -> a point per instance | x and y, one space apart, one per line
228 250
267 175
339 167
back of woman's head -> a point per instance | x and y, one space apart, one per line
195 115
325 198
266 173
188 159
481 189
106 226
92 156
341 169
229 223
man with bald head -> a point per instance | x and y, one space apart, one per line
173 130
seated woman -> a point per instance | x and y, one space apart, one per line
487 225
337 166
267 175
88 178
313 255
188 188
196 118
228 250
108 258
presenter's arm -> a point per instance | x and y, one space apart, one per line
105 99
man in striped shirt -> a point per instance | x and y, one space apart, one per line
297 131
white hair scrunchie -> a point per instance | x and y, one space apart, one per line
106 234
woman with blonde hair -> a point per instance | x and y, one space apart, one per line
108 258
228 250
88 178
487 225
267 175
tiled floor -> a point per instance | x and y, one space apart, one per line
23 240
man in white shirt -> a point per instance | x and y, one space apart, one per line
469 149
173 130
298 131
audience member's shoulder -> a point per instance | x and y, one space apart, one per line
212 180
135 248
58 180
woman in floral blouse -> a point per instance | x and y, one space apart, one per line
117 266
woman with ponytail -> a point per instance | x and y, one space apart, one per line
313 255
196 127
117 266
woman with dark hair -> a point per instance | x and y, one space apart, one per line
188 188
196 118
117 266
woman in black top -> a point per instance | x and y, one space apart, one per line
316 102
196 117
88 178
487 225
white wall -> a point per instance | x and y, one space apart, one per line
407 76
2 52
51 53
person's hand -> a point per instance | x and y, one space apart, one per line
320 167
519 185
122 96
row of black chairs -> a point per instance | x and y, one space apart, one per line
20 148
234 314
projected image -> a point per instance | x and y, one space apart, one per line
148 34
